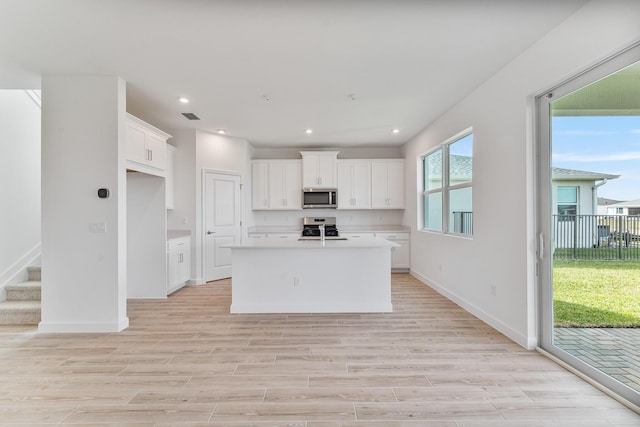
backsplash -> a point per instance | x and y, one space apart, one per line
343 217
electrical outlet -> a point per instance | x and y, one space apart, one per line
296 281
493 290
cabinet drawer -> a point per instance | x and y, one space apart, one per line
393 236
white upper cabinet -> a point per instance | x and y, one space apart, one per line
354 184
319 169
146 147
285 190
387 184
276 184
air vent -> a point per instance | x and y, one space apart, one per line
191 116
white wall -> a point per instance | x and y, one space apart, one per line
197 151
84 273
502 250
20 189
146 236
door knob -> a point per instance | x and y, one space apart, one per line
211 232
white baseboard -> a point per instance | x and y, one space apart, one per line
527 342
102 327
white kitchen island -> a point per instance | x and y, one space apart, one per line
334 276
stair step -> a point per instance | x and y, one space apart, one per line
19 312
25 291
35 273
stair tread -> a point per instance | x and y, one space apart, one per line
19 305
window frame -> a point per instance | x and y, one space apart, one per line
563 217
445 188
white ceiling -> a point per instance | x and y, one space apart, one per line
407 62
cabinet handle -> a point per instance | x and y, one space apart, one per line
151 155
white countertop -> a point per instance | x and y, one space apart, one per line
177 234
365 242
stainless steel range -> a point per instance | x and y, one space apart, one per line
312 228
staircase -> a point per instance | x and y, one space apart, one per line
22 306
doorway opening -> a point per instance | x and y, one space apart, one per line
589 219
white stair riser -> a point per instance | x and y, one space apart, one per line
23 294
19 317
35 273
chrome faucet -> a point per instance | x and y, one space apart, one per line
321 227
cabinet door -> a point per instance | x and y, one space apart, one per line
395 185
319 169
136 150
400 257
156 151
327 170
379 185
275 185
172 267
345 185
310 176
184 262
361 185
259 179
293 184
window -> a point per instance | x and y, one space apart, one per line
447 203
567 203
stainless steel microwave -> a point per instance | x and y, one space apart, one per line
314 198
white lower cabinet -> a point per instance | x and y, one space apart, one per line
178 263
400 257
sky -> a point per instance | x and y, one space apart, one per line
600 144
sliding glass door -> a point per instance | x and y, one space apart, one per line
588 192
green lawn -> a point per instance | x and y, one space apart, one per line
596 293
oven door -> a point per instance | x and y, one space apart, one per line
319 198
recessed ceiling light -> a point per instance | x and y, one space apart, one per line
183 100
222 131
396 130
308 131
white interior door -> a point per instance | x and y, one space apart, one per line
222 223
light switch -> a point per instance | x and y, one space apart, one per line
97 227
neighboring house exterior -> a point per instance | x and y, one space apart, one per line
575 192
604 203
575 206
631 208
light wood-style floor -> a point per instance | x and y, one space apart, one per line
187 361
